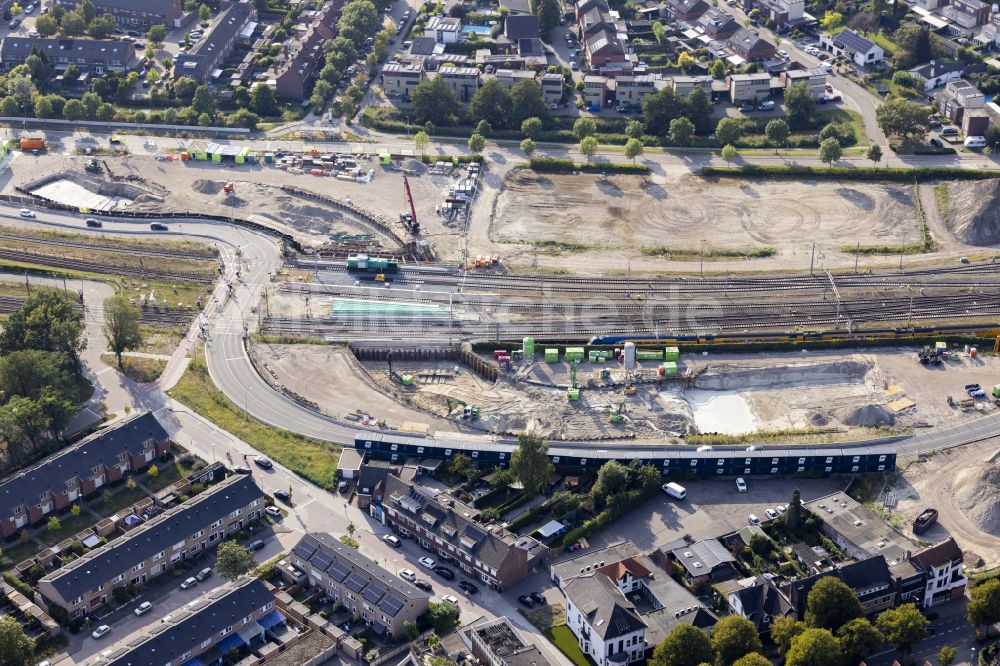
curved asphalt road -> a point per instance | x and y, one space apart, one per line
258 257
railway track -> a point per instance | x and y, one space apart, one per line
117 249
100 267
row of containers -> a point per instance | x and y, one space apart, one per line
628 355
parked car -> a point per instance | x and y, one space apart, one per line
753 519
444 572
427 562
408 574
783 54
143 608
949 131
468 587
771 514
256 545
263 462
422 584
451 599
767 105
101 631
242 469
273 511
283 495
937 143
189 583
392 540
27 213
741 485
158 226
975 142
526 600
539 598
204 574
94 223
746 108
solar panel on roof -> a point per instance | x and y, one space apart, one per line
473 533
304 550
321 561
373 593
355 583
338 571
391 605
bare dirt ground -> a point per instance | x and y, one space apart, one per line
622 215
945 482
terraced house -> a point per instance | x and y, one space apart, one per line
90 55
447 528
131 12
80 470
379 598
183 532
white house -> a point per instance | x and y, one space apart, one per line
936 74
942 566
862 51
443 29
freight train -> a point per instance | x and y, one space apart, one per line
362 263
678 461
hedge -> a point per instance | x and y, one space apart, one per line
850 173
554 164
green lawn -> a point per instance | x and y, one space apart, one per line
567 644
851 118
70 525
310 458
16 552
121 497
887 44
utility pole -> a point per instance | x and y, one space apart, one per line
812 259
702 269
857 251
901 257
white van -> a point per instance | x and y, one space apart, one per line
675 490
975 142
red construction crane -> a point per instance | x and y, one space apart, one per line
409 220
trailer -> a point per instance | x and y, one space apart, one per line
925 520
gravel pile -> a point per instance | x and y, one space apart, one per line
977 494
869 416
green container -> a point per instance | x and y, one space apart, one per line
671 353
573 394
669 369
552 355
574 353
649 355
528 347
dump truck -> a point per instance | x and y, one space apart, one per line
29 143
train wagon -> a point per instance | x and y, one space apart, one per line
362 263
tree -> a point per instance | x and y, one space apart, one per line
525 102
548 15
659 32
184 88
105 112
830 151
54 525
74 110
699 110
635 129
729 153
527 147
43 107
101 27
777 133
491 103
799 105
131 484
612 479
442 616
29 372
46 321
87 10
633 149
233 560
874 153
733 637
588 147
858 639
659 109
831 604
46 25
681 130
204 12
946 655
484 128
477 142
153 471
459 463
913 45
832 20
263 100
793 516
902 626
685 645
15 647
814 647
584 127
121 325
531 127
984 603
752 659
73 25
717 70
421 141
728 131
530 462
433 101
203 100
685 61
897 117
156 33
76 510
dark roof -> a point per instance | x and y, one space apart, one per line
91 50
374 472
160 533
863 575
190 625
530 47
609 613
604 39
687 6
934 69
519 26
101 448
762 603
379 587
718 20
853 42
935 556
158 7
422 46
746 39
205 53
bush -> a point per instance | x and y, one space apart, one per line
850 173
553 164
19 585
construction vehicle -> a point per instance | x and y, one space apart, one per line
229 188
929 356
409 220
470 412
32 143
996 393
573 392
404 379
617 414
92 165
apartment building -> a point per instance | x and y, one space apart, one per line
957 97
968 13
593 91
380 598
80 470
204 60
870 579
683 85
400 81
180 533
445 526
132 13
90 55
815 78
235 614
942 569
749 87
634 89
499 643
463 81
552 88
305 53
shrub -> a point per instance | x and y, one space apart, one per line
553 164
850 173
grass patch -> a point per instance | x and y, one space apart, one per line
887 44
136 368
69 525
546 617
558 247
789 436
158 245
19 290
710 253
892 174
850 118
563 638
943 201
170 472
15 552
310 458
160 339
265 339
349 541
120 498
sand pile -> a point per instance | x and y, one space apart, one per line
973 211
869 416
977 494
414 165
204 186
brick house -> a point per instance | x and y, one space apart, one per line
307 55
208 55
750 46
80 470
89 55
130 12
